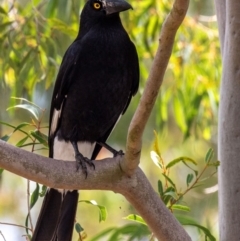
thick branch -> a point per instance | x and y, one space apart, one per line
155 79
60 174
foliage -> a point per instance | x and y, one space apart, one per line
33 38
35 34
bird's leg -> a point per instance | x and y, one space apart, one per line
81 160
114 152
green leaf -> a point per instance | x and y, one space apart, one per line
16 128
160 188
135 218
6 137
3 11
156 144
209 155
180 207
42 138
78 228
30 108
189 178
156 159
21 142
180 159
4 25
184 220
1 171
215 164
172 194
34 196
43 191
170 180
102 209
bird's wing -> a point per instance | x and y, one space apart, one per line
133 75
63 82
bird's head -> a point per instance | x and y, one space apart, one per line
110 6
98 8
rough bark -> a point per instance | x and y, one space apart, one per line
229 120
108 175
155 79
120 174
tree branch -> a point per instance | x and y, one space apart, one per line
120 174
62 174
155 79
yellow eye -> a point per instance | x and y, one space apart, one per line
97 5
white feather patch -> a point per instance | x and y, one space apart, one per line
64 150
55 118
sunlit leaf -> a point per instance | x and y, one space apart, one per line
156 159
32 109
3 11
180 207
102 209
135 218
180 159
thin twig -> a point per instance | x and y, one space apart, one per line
2 236
16 225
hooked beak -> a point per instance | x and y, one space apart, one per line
116 6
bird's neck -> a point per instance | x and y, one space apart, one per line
110 22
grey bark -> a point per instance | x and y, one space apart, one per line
108 175
229 120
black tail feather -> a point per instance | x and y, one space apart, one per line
57 216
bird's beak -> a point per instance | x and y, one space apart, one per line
116 6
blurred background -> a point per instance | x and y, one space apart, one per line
34 35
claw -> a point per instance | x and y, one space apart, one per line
81 162
118 153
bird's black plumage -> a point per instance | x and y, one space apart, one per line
98 76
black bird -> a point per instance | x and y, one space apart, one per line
98 76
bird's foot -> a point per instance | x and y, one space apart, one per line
81 162
118 153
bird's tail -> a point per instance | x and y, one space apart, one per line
57 216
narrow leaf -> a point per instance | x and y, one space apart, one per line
180 207
78 228
22 141
184 220
6 137
156 144
180 159
43 139
34 196
102 209
135 218
43 191
160 188
209 155
189 178
3 11
32 109
156 159
172 194
170 180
